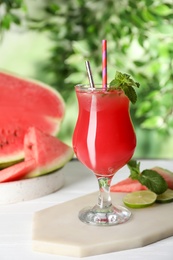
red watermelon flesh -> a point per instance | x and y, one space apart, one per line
17 171
128 185
25 103
48 151
26 93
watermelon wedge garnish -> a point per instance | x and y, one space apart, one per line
129 185
166 174
25 103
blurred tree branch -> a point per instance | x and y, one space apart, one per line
139 35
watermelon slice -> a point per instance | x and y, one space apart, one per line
166 174
48 151
17 171
25 103
127 185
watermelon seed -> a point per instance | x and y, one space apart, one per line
3 143
15 133
30 146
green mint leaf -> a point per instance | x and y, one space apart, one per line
133 164
134 168
130 93
124 82
153 181
149 178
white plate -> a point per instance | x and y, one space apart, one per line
28 189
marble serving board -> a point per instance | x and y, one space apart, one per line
57 230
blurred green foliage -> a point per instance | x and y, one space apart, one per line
139 35
8 13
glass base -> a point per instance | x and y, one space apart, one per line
109 217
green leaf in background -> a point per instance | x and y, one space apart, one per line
162 10
6 21
144 108
153 122
148 15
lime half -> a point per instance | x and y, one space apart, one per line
140 199
165 197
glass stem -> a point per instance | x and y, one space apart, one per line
104 198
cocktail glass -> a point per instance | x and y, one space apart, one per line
104 141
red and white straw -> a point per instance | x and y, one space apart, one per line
104 64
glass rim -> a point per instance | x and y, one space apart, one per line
87 87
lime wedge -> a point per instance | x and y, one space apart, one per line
165 197
140 199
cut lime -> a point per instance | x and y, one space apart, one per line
165 197
140 199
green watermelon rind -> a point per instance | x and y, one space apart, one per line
10 163
9 160
53 166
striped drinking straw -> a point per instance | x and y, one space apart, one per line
104 64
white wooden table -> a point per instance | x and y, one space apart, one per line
16 219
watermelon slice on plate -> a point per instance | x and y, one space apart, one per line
25 103
48 151
17 171
43 154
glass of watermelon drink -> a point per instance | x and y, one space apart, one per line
104 140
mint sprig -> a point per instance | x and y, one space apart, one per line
149 178
126 83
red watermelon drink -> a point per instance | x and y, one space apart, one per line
104 140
